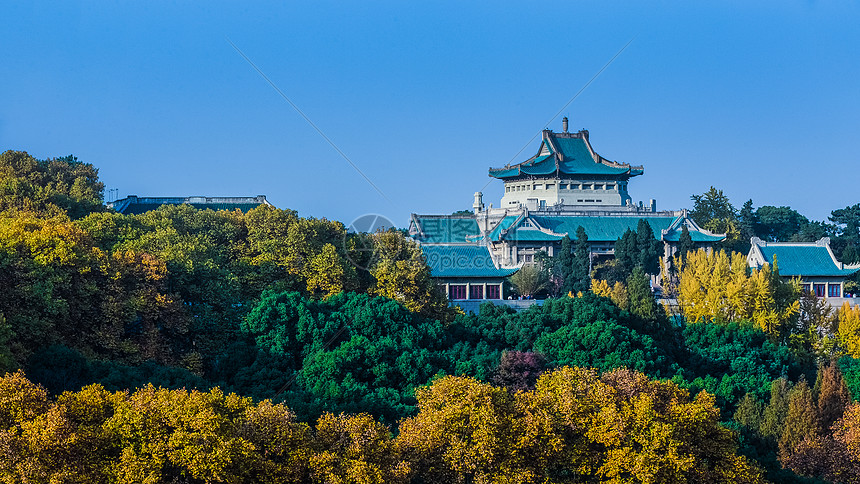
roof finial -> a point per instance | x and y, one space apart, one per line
564 124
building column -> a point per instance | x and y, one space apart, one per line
484 294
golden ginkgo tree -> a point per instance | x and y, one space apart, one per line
719 288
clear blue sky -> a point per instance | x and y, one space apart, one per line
760 99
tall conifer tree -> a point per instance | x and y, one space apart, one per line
801 421
833 397
580 262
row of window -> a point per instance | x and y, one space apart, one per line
833 290
562 186
472 291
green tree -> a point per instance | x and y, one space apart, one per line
685 243
801 421
627 252
640 299
747 221
52 186
779 224
580 264
712 207
529 280
847 242
649 248
750 413
562 264
776 411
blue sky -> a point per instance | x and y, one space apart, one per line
760 99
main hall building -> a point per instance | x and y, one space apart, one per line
565 185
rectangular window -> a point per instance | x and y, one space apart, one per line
562 186
598 187
806 287
589 201
574 186
610 187
834 290
527 258
538 187
507 189
493 291
550 186
476 292
819 290
586 187
580 200
457 291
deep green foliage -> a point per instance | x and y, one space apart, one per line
734 359
352 352
634 249
580 264
685 242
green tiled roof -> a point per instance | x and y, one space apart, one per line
542 165
675 236
577 159
532 235
601 228
462 261
803 260
503 225
447 230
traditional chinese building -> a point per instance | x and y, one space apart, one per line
812 262
565 185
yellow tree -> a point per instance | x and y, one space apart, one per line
402 274
328 273
848 331
718 288
464 432
623 427
617 292
356 448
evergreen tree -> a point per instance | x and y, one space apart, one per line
847 221
639 295
580 262
801 421
648 248
833 397
626 252
685 243
712 206
562 264
747 221
776 411
750 413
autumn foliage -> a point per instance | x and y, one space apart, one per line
575 425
